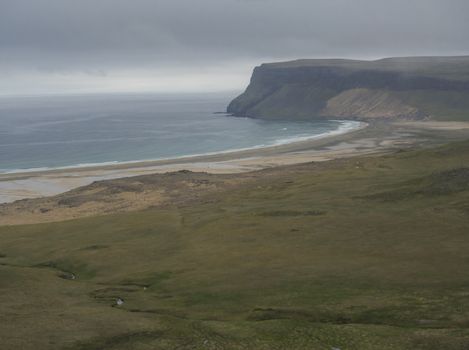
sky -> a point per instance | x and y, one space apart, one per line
87 46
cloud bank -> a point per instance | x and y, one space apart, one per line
206 45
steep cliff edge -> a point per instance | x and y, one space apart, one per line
414 87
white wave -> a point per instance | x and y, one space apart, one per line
344 127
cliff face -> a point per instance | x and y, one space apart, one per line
389 88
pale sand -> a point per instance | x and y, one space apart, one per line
376 138
436 125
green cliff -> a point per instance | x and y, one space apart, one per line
413 88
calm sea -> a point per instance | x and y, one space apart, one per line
51 132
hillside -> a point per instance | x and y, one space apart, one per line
360 253
410 88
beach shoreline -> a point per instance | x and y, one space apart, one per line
367 138
225 154
34 183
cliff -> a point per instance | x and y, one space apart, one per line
415 87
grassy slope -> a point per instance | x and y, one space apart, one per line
440 105
365 253
295 100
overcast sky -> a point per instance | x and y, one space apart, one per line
55 46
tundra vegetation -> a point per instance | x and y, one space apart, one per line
359 253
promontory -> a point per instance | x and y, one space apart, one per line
390 88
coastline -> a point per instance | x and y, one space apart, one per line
34 183
369 138
186 158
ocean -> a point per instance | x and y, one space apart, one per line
39 133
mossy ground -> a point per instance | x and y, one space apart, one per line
364 253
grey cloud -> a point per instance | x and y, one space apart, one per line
101 35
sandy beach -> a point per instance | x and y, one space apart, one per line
367 139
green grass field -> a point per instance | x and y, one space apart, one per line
440 105
364 253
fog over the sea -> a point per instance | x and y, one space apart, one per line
60 46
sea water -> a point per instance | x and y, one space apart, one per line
42 132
